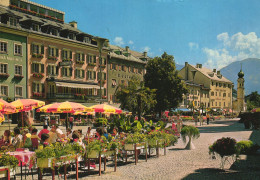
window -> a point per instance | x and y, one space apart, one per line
4 90
3 47
92 59
91 75
66 55
23 5
37 68
216 104
220 84
37 87
79 73
211 103
53 52
228 94
13 21
219 93
216 84
224 104
71 36
18 91
17 49
54 32
66 71
86 40
212 93
33 8
224 94
103 61
37 49
140 71
52 69
3 68
212 83
18 70
219 104
80 57
35 27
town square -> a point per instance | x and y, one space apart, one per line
131 89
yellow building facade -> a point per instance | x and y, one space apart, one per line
211 89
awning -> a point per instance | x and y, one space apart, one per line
75 85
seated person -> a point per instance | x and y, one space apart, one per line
7 137
44 130
53 135
69 133
17 141
45 139
35 139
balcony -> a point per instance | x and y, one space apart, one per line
71 97
37 75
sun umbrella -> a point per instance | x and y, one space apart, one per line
27 104
256 109
106 108
6 108
65 107
85 113
2 118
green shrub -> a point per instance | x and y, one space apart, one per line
246 147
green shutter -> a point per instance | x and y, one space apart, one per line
105 61
70 71
83 57
42 68
70 54
95 59
83 73
105 76
62 71
62 54
33 68
42 49
57 52
76 73
57 70
49 69
95 75
49 51
43 88
32 48
33 87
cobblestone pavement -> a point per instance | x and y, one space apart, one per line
188 164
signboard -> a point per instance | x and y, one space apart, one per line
66 63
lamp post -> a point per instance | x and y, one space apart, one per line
193 72
100 44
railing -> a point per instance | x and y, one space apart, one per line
70 96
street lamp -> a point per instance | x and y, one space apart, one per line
100 44
193 72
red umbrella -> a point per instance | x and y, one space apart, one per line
6 108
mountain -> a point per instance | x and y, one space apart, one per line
251 69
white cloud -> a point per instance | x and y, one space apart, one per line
119 41
235 48
193 46
146 49
130 42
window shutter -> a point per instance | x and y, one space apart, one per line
62 71
42 49
105 61
33 87
49 51
42 68
95 59
75 73
62 54
70 71
70 54
57 52
83 73
105 76
83 57
95 75
57 70
32 68
32 48
43 88
87 75
49 69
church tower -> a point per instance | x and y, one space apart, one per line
240 91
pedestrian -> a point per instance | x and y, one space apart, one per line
207 116
201 120
195 118
71 119
179 123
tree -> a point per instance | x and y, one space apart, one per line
136 97
192 133
161 74
253 100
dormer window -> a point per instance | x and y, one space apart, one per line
35 27
71 36
86 40
54 32
12 21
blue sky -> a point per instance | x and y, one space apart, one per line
211 32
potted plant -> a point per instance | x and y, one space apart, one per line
192 133
246 147
45 157
8 161
94 149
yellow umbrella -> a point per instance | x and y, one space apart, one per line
27 104
2 118
106 108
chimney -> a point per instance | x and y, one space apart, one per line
186 64
197 65
145 54
74 24
200 65
218 72
127 48
214 70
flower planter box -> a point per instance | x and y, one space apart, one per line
141 145
3 174
129 147
108 153
44 162
93 154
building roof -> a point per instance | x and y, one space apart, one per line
131 56
211 75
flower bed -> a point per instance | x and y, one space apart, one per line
38 75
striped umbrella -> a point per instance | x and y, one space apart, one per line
2 118
27 104
6 108
65 107
106 108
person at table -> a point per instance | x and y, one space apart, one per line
71 119
69 133
7 137
76 139
35 138
17 141
45 140
59 131
89 132
115 132
44 130
53 135
105 133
